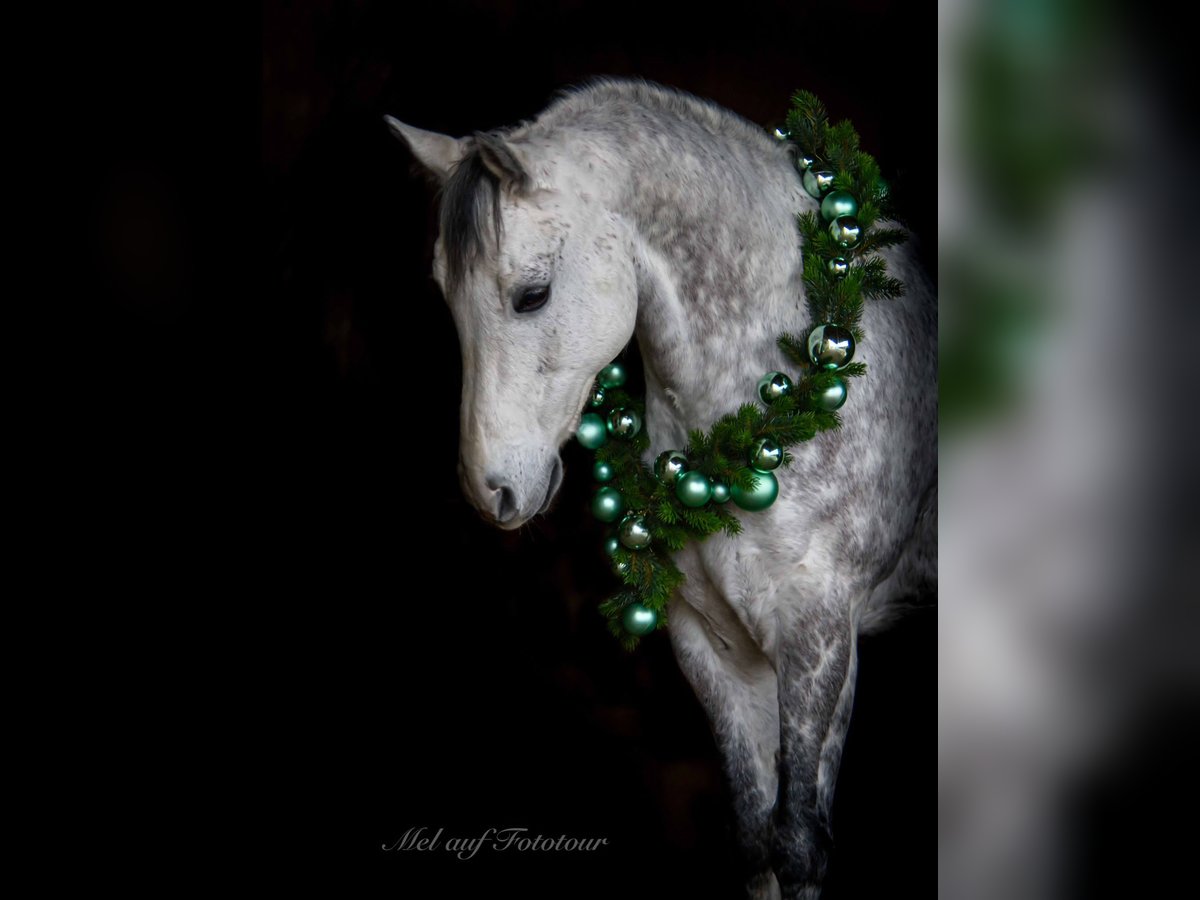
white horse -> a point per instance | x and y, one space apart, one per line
624 209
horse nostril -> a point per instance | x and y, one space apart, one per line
504 501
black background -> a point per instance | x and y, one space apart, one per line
316 628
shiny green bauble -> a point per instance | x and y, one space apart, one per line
634 532
766 455
830 346
611 545
639 620
693 489
596 398
603 472
612 375
818 184
838 203
592 432
720 492
781 134
774 386
754 499
832 397
845 231
669 465
624 423
838 267
608 504
804 162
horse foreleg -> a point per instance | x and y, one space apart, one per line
816 665
736 685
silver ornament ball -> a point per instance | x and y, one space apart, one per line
634 532
669 465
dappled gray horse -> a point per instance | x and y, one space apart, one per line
630 209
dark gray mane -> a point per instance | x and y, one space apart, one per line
466 197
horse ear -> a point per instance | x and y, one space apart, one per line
503 160
438 153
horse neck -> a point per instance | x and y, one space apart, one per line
719 271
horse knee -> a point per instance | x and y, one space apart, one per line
800 851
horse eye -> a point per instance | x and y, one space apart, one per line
531 298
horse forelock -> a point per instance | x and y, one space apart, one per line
469 194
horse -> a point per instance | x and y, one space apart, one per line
628 209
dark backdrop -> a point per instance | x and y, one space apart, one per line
316 629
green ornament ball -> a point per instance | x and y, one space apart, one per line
693 489
838 267
603 471
608 504
624 423
639 620
774 386
634 532
596 398
804 162
830 346
720 492
845 231
838 203
612 375
781 134
669 465
611 545
757 498
818 184
592 432
833 396
766 455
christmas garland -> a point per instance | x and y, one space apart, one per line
656 512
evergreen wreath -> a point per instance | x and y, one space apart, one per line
657 511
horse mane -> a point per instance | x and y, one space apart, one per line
471 195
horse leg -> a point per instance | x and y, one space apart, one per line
817 659
736 685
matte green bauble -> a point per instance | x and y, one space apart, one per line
592 432
612 375
693 489
756 498
596 398
833 396
608 504
830 346
639 620
624 423
845 231
611 545
818 184
720 492
766 455
634 532
838 267
669 465
838 203
603 472
774 386
804 162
